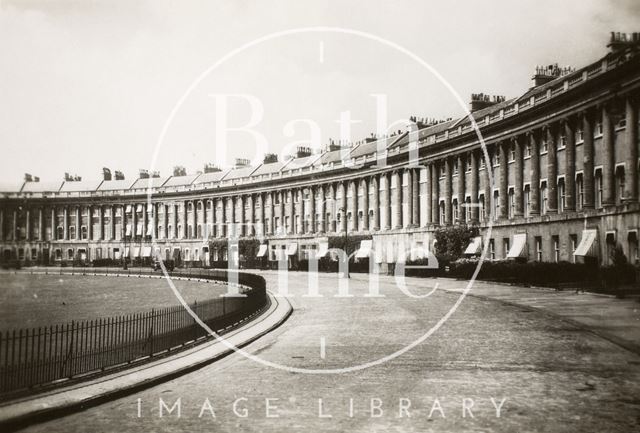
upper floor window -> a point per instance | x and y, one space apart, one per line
562 142
468 166
527 150
561 195
512 152
579 191
543 198
597 180
598 129
544 146
579 136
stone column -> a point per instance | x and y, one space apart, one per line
292 219
354 205
223 217
570 166
552 171
28 225
588 160
65 224
334 208
375 203
475 210
113 222
408 195
415 185
100 234
504 181
343 205
386 201
519 178
14 226
312 209
398 200
241 215
533 136
272 221
631 171
461 188
250 231
435 193
365 205
608 159
489 176
323 209
40 224
165 220
448 197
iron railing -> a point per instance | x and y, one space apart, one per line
36 357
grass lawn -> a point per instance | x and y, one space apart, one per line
43 300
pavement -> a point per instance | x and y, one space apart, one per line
506 358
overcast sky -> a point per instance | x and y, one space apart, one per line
88 84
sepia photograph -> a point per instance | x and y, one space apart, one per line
321 216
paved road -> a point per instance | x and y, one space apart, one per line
549 375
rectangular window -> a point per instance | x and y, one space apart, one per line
579 136
543 198
598 188
492 250
561 196
574 245
562 142
527 150
512 152
505 247
539 248
527 202
544 146
556 248
512 203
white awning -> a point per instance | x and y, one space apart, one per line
146 251
262 250
474 246
585 247
136 251
390 256
128 232
292 249
128 208
518 248
365 249
139 208
323 249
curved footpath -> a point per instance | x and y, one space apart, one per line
507 357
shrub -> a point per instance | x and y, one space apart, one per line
451 242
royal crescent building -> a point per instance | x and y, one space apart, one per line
558 182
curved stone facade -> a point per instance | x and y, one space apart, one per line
564 159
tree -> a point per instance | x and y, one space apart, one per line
451 241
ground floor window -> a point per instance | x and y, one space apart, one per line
574 245
70 254
538 248
505 247
58 254
556 248
492 250
34 254
20 253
